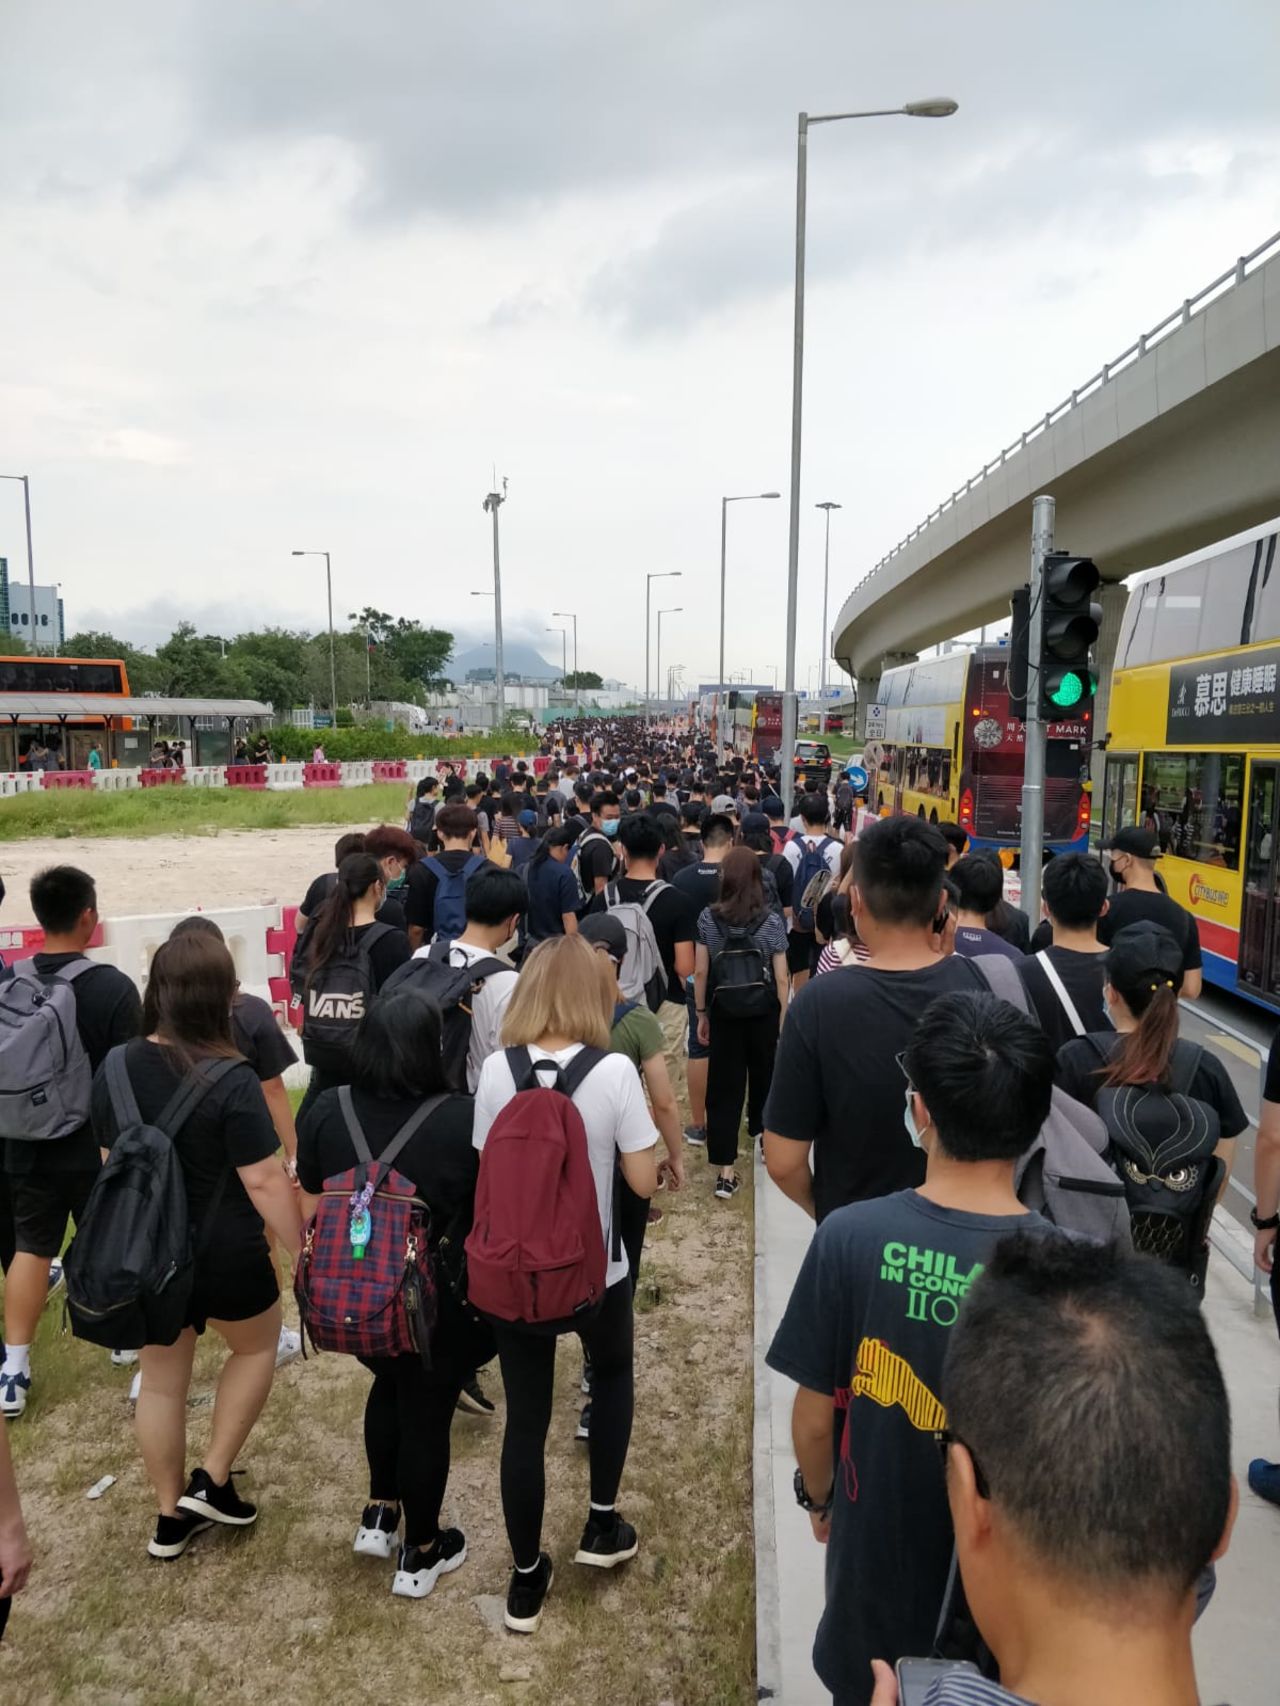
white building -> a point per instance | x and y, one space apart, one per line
15 613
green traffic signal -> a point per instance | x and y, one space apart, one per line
1068 688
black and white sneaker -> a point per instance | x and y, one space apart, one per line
472 1399
175 1533
607 1541
376 1535
420 1568
583 1430
727 1185
204 1497
696 1135
527 1595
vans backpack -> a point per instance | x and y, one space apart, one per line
335 997
535 1253
364 1280
813 879
740 977
450 914
453 989
45 1076
643 976
131 1265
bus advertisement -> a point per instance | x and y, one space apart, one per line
766 727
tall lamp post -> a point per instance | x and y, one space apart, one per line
657 575
333 663
569 616
564 650
937 108
741 498
826 644
31 565
657 671
492 504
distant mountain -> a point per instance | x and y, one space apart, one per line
517 659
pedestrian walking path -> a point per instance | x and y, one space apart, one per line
1234 1641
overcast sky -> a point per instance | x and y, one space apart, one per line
284 275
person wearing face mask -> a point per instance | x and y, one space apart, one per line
1139 900
866 1330
597 856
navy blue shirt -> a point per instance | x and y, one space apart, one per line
553 891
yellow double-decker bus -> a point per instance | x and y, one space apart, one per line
1193 747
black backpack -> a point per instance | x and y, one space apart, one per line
131 1265
740 979
452 988
423 820
335 997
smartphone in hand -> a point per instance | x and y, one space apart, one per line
917 1676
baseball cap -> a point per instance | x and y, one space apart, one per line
1143 952
773 807
724 803
754 823
527 819
1142 843
600 929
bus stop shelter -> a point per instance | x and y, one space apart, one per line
109 715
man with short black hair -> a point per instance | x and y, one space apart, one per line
597 857
979 878
456 828
865 1332
1088 1444
1140 900
803 946
1065 979
50 1179
956 839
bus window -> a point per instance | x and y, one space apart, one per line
1193 802
1178 613
1256 959
1119 794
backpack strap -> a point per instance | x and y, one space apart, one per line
578 1068
655 888
611 896
1001 977
124 1104
192 1091
1060 990
354 1129
1184 1066
61 974
364 947
417 1119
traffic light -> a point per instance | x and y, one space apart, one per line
1019 637
1071 620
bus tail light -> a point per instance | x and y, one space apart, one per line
966 810
1084 812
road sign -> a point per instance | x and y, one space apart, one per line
321 720
875 722
857 778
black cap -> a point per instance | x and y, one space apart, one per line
755 823
603 929
1144 954
1142 843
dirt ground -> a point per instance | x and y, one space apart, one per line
174 873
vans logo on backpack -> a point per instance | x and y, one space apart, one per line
344 1008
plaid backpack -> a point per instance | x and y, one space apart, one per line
364 1281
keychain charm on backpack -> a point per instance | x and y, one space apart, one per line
361 1226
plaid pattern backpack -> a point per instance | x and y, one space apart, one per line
364 1281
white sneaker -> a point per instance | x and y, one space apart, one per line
123 1359
56 1277
135 1386
13 1394
419 1570
379 1531
288 1349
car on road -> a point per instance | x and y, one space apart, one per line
813 765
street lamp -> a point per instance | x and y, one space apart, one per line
564 661
577 683
826 645
744 497
669 611
492 504
938 107
657 575
31 567
333 666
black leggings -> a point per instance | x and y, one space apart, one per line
741 1063
407 1417
528 1363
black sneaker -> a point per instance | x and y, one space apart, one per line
727 1186
204 1497
376 1535
527 1595
583 1430
472 1399
175 1533
420 1568
606 1541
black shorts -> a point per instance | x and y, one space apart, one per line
802 950
235 1284
42 1204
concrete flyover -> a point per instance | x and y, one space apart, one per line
1173 445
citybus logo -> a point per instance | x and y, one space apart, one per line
1200 891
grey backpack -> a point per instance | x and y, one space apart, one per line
45 1076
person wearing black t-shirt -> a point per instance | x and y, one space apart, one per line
1064 980
597 855
49 1181
456 826
396 1067
1134 852
699 884
235 1187
395 851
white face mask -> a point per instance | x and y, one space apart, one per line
909 1121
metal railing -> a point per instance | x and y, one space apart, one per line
1148 340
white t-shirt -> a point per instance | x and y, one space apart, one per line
488 1008
613 1110
794 851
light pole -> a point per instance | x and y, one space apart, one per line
657 575
31 565
333 664
826 585
938 108
564 660
741 498
577 683
492 504
657 672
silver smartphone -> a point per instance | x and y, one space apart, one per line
917 1676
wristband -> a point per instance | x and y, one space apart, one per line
1270 1224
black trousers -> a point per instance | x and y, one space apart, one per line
528 1363
407 1417
741 1064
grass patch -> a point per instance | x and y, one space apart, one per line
193 811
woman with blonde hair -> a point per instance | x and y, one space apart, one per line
556 1034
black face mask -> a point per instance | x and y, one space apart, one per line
1117 875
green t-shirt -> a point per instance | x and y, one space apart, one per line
638 1035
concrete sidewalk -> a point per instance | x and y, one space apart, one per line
1235 1640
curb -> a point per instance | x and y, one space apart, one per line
768 1624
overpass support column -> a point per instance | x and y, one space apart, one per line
1114 597
869 686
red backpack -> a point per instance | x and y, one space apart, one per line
364 1281
535 1253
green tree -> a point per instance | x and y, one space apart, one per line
192 666
140 666
274 665
584 678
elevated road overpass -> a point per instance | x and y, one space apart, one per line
1169 447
